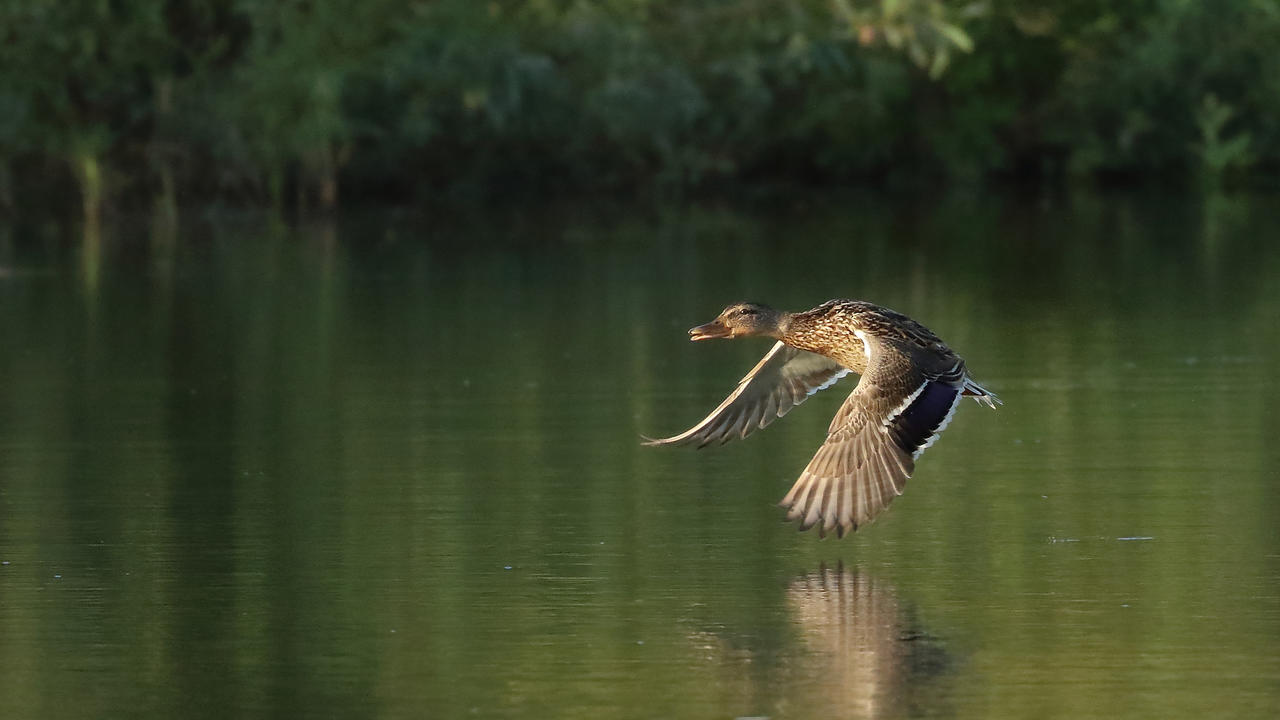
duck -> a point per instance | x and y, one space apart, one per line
909 387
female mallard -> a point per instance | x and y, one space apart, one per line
911 384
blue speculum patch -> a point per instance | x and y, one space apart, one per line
921 419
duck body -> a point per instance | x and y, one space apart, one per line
842 329
911 384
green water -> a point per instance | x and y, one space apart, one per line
389 467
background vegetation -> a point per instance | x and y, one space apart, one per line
304 101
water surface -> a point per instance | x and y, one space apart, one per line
388 466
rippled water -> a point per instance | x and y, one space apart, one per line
389 467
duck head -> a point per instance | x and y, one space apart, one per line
743 320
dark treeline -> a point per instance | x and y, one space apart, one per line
274 102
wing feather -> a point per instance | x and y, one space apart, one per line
894 413
784 378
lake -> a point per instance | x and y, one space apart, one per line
389 465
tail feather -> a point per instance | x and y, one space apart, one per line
980 394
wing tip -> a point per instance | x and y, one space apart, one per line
673 441
841 527
799 504
647 441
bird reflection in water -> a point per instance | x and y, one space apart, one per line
858 654
867 658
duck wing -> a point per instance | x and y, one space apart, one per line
783 379
895 412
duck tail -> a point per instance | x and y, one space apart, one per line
980 394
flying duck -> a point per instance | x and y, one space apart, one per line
910 386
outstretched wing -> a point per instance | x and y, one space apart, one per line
783 379
894 413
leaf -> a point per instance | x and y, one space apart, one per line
917 54
893 36
941 59
955 34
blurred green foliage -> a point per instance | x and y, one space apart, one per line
275 102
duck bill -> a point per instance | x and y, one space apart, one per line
710 331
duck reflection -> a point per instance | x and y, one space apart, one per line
867 658
858 654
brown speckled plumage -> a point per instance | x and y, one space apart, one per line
911 384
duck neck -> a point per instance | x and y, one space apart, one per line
781 326
801 332
815 333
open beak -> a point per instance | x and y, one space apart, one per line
712 330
